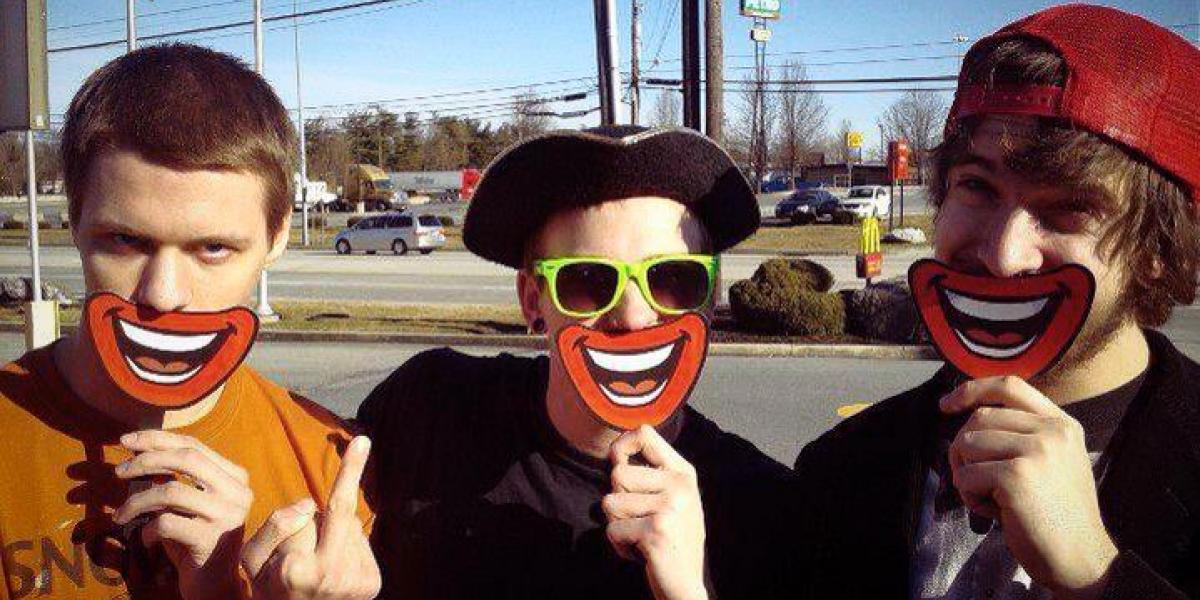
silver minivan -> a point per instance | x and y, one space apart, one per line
396 232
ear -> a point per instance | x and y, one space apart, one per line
278 244
529 293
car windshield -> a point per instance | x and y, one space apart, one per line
861 193
429 221
383 184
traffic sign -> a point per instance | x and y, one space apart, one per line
854 139
765 9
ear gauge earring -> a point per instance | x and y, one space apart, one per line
539 326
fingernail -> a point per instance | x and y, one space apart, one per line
361 443
129 438
121 467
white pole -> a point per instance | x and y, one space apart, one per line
31 188
130 27
614 66
264 310
300 118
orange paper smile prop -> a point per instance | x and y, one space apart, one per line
988 326
171 359
635 378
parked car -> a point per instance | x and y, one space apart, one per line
396 232
779 183
801 206
864 201
827 210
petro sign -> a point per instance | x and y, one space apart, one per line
766 9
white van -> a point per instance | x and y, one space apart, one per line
396 232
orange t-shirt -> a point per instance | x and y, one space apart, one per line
58 491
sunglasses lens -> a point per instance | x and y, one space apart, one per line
678 284
586 287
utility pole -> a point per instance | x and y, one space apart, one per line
690 15
300 119
634 48
714 72
606 59
263 309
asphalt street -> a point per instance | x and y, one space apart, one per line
443 277
741 394
779 404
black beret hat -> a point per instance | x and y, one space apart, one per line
561 170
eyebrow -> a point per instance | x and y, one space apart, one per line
982 162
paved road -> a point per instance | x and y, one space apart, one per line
740 394
743 395
441 277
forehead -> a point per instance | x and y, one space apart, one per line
124 189
624 228
998 135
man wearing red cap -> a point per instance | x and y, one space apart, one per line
1071 146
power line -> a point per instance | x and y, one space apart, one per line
865 80
476 92
308 13
147 14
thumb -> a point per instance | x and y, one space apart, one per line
282 524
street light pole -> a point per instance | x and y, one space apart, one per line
130 27
300 118
264 310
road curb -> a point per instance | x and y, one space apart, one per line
766 350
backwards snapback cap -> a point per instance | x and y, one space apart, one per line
561 170
1127 79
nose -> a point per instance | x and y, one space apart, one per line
1012 245
165 283
631 313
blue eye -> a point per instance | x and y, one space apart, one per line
124 239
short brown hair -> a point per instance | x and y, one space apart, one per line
1151 224
183 107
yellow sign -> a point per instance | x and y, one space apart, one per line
869 262
854 139
869 239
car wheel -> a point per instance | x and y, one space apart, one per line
426 250
399 248
343 247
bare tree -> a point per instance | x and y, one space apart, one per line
666 109
917 117
836 145
746 137
801 117
530 116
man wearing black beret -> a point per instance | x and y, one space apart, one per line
495 477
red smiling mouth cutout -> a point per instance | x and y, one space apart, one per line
987 326
635 378
168 360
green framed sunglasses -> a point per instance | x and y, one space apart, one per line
583 287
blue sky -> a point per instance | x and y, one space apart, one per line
461 51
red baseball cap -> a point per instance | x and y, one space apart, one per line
1127 79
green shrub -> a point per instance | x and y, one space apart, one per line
786 309
791 274
14 224
446 220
